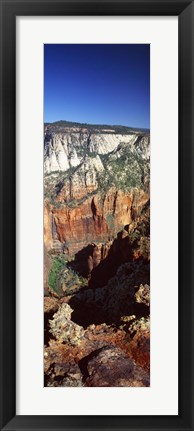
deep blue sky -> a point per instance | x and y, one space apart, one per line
100 84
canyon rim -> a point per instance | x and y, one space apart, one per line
97 216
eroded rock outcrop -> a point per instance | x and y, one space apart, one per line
66 149
60 367
105 356
117 298
111 367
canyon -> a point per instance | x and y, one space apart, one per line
96 255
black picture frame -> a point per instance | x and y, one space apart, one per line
8 13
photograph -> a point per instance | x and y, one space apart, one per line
96 137
97 216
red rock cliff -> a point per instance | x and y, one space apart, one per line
96 219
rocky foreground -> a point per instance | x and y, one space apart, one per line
97 248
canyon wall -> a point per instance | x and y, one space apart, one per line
95 184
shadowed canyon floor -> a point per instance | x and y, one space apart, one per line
97 250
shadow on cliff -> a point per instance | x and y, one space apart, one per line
80 263
98 274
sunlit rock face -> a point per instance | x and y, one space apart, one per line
60 151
